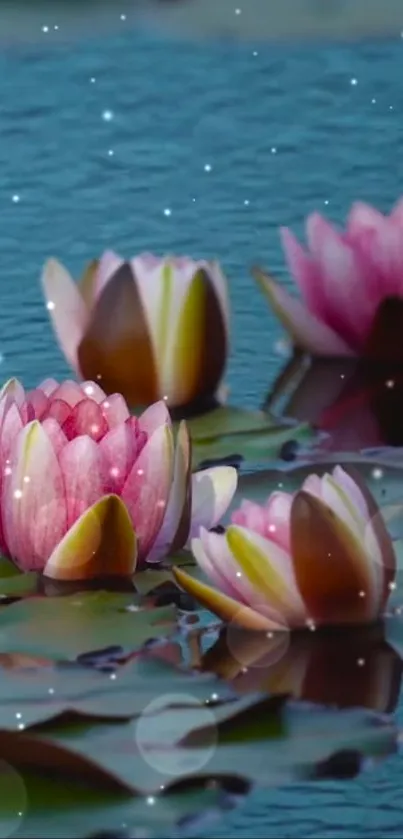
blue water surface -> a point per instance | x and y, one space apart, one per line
135 144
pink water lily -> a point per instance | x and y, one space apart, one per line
150 328
348 282
89 491
321 556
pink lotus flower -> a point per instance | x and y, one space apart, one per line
151 328
347 282
89 491
322 556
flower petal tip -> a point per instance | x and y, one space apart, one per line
101 543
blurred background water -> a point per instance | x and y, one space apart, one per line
135 144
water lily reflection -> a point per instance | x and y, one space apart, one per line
347 669
357 405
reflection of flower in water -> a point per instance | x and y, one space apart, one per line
319 557
348 668
358 406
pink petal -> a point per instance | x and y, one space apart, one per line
397 213
69 392
363 217
154 416
307 331
278 512
91 390
108 265
55 434
48 386
352 490
67 309
38 402
250 515
120 448
85 418
115 410
11 426
146 490
305 273
33 500
350 308
58 410
82 468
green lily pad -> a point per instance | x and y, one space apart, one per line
35 696
252 435
65 627
263 741
35 806
13 583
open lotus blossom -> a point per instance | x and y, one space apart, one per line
151 328
89 491
321 556
351 285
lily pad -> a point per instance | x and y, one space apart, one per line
32 697
54 809
262 741
65 627
251 435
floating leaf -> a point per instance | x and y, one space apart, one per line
32 696
65 627
251 435
263 741
51 807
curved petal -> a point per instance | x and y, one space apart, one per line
67 309
212 492
70 392
197 345
33 500
83 469
306 331
115 410
48 386
87 284
278 512
85 419
120 448
331 567
175 526
223 606
305 272
10 427
269 570
13 390
153 417
147 487
102 543
116 347
91 390
109 263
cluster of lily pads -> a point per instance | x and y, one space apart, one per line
124 509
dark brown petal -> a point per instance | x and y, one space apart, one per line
330 566
116 349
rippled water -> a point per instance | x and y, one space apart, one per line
206 151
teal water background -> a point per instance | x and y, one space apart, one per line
282 132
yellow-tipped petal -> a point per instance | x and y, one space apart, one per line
267 567
331 567
224 607
88 282
101 543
